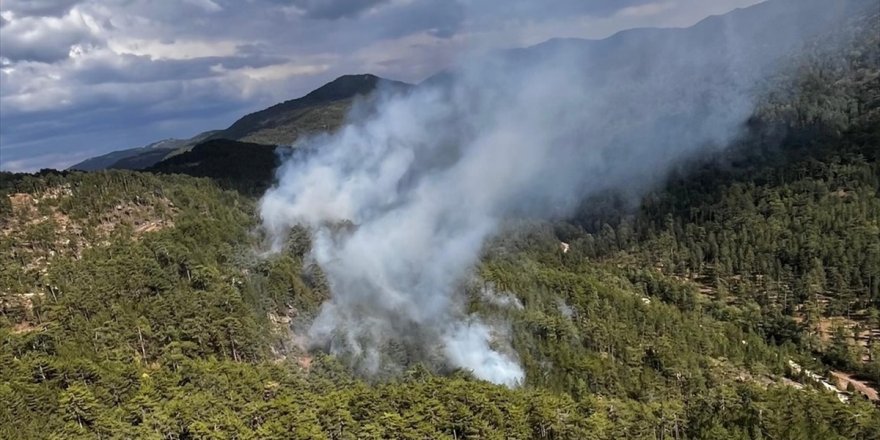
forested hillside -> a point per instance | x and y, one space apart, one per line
322 110
134 306
738 300
784 225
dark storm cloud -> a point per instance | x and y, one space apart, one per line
44 39
335 9
114 115
141 69
442 19
549 8
43 8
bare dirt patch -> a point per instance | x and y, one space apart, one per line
843 380
40 229
25 327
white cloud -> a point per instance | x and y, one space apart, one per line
47 39
31 163
25 8
276 72
207 5
645 10
175 50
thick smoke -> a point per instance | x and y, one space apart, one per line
401 200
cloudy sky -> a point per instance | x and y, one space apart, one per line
80 78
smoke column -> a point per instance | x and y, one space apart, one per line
401 200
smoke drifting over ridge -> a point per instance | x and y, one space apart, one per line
401 200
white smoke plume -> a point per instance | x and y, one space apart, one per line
503 300
401 200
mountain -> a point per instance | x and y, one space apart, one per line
323 109
773 29
248 166
741 45
245 166
140 157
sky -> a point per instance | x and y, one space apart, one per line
80 78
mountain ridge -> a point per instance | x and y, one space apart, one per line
325 108
139 157
322 109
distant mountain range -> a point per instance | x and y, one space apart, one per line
140 157
767 32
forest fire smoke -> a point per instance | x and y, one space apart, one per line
426 175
